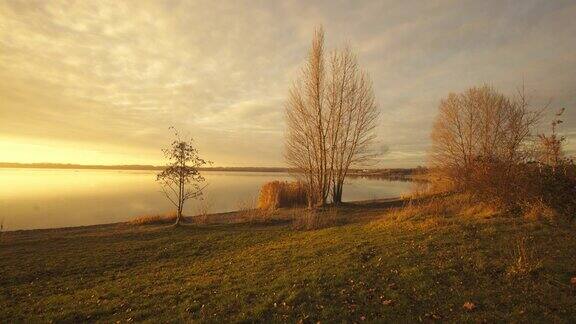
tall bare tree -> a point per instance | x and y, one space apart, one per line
352 118
306 117
330 115
181 179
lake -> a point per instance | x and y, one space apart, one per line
48 198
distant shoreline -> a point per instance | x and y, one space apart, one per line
5 165
394 174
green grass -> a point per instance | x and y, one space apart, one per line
269 272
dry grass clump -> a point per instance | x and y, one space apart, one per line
306 220
248 212
202 212
245 209
420 209
430 183
261 216
437 210
278 194
524 259
200 219
538 210
154 219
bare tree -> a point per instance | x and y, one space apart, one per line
330 115
352 117
181 179
479 138
550 150
306 117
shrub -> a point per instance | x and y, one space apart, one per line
277 194
550 194
154 219
551 181
482 145
478 141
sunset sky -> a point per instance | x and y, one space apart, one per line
100 82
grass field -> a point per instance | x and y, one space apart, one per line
373 265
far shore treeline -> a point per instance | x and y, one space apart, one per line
392 173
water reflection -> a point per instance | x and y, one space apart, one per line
44 198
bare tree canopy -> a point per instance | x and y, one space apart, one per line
181 179
480 136
331 115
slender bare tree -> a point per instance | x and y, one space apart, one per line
352 118
181 179
330 115
550 150
306 117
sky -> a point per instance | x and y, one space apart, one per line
100 82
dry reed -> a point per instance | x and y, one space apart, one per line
277 194
154 219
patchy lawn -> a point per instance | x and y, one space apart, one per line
385 267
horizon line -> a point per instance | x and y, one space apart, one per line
51 165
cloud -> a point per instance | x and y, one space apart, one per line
109 74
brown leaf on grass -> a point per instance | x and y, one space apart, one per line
469 306
388 302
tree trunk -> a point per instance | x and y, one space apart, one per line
337 194
178 216
180 201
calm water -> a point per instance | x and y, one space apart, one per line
44 198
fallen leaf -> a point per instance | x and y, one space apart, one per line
388 302
469 306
